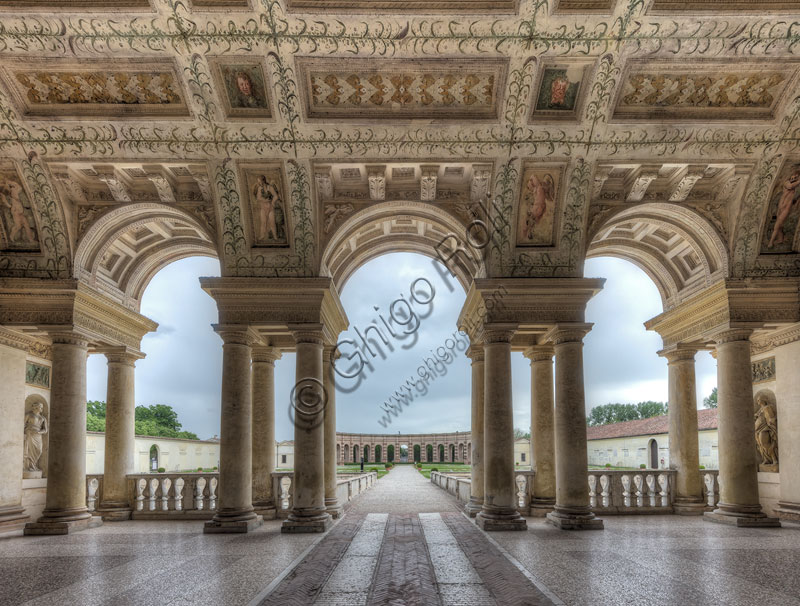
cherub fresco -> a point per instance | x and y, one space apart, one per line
783 218
17 216
537 208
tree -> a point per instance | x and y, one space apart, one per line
710 401
158 420
95 416
521 433
617 413
161 414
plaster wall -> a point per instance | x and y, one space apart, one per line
632 451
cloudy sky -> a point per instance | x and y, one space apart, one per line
184 356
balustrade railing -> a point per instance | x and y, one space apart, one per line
194 495
648 491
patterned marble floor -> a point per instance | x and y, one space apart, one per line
404 542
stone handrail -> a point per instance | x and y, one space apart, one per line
645 491
194 495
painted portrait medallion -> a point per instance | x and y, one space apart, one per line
245 88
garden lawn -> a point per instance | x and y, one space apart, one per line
444 468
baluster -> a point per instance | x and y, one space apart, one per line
651 488
91 493
179 494
708 480
637 482
663 483
521 492
626 490
285 483
604 492
212 493
199 490
152 494
141 484
166 483
592 490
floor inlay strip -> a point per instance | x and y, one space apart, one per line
303 584
404 574
504 581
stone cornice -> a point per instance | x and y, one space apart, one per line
763 343
273 304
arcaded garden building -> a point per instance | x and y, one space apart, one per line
295 141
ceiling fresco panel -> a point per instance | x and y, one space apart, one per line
703 91
59 88
76 5
445 89
412 6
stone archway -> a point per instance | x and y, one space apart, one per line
652 454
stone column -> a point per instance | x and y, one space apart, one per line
309 401
332 504
65 503
571 511
499 510
684 455
542 433
235 505
264 359
120 444
738 466
476 354
12 412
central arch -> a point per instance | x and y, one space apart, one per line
399 226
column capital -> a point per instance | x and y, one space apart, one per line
236 334
567 333
733 334
498 333
266 354
308 333
69 337
123 355
678 354
540 353
475 352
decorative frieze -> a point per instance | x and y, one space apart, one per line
764 370
37 375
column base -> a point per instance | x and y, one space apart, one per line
333 508
540 507
62 522
296 524
491 521
474 507
13 517
742 520
787 510
115 514
266 509
233 521
574 520
688 506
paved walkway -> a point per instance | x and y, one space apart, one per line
404 490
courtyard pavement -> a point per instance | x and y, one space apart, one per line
405 542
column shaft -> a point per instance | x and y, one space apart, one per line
542 430
738 467
572 463
499 510
332 504
264 359
476 470
235 506
120 438
65 503
684 454
309 402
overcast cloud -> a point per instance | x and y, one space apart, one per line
184 356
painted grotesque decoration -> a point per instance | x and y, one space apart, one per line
245 90
537 207
267 207
766 427
782 217
18 222
35 428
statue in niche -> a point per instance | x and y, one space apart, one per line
766 422
35 428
